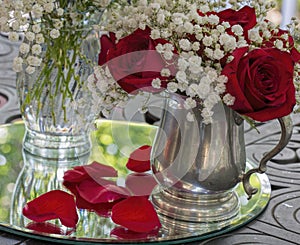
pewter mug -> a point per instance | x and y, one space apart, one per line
197 165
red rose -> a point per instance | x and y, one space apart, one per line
245 17
106 43
261 82
289 43
134 61
207 13
278 36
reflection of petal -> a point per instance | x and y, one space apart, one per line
139 160
52 205
136 214
47 227
123 233
140 184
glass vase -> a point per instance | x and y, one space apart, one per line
37 177
198 165
54 100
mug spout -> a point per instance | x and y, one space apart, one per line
286 125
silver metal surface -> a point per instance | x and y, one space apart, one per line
198 164
286 126
198 157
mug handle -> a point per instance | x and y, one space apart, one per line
286 125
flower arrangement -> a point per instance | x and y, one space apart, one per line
208 51
53 32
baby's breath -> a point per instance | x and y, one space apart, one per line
198 43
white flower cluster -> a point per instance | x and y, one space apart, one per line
106 95
41 21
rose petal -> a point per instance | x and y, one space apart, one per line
139 160
102 209
112 193
140 184
82 203
94 193
97 170
72 178
244 17
123 233
106 42
105 209
75 175
136 214
93 171
45 227
295 55
52 205
88 189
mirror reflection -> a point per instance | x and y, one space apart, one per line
24 177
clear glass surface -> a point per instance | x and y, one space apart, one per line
112 143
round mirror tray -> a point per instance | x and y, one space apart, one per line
112 142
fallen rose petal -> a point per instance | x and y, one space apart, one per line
87 189
75 175
136 214
140 184
52 205
82 203
45 227
112 193
123 233
105 209
95 193
96 169
139 160
72 178
102 209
